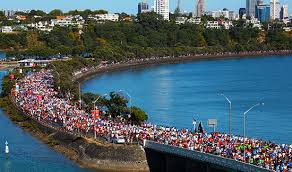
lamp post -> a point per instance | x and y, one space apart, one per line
130 101
80 101
194 123
94 108
57 73
230 112
244 124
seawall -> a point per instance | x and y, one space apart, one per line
88 153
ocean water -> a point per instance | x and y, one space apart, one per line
2 55
174 94
27 154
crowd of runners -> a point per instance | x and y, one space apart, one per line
35 96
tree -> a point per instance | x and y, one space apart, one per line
117 105
138 116
56 12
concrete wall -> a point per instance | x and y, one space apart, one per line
166 158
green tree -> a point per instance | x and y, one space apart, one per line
56 12
138 116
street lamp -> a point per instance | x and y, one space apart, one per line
230 113
94 107
80 101
244 124
130 101
56 73
194 123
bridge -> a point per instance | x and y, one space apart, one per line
165 158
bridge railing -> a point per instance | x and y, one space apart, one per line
199 156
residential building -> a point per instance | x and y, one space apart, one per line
250 7
225 13
104 17
263 12
181 20
20 17
161 7
65 21
226 24
255 23
44 26
143 7
194 21
6 29
200 8
242 11
284 14
9 13
213 25
275 9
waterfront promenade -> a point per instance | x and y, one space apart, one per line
39 100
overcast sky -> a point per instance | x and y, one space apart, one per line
128 6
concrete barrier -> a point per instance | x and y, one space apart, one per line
208 158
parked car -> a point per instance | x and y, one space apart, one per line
118 140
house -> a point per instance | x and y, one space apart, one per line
194 21
104 17
181 20
6 29
213 25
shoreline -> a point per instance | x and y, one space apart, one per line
73 153
84 76
83 151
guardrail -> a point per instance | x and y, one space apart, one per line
209 158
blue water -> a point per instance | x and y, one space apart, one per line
2 55
174 94
27 154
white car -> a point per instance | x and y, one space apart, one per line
118 140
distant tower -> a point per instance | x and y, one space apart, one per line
143 7
275 9
200 7
161 7
251 7
177 10
284 12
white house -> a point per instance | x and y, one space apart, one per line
194 21
6 29
181 20
213 25
106 17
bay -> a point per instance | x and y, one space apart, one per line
175 94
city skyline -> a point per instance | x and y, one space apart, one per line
129 7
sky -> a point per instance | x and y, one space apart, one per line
128 6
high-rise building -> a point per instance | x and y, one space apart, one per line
275 9
177 10
161 7
241 12
200 8
263 12
284 12
251 7
143 7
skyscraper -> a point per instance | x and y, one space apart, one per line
200 7
251 7
143 7
275 9
263 12
177 10
161 7
284 12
